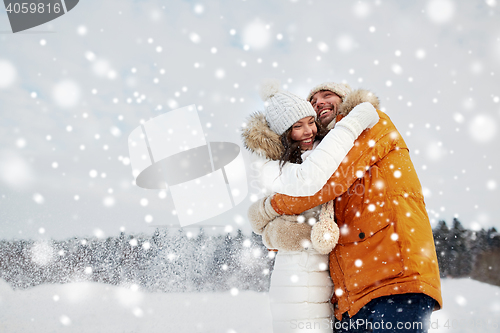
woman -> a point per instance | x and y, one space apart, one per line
286 133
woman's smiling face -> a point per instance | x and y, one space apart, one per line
304 131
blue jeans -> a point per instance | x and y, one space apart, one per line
408 313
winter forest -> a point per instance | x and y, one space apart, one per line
173 261
85 248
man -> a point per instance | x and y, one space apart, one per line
384 267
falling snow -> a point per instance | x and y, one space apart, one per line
9 74
440 11
483 128
66 94
70 100
257 35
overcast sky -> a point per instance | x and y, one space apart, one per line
73 89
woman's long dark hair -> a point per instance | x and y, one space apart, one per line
292 152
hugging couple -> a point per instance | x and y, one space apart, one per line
347 215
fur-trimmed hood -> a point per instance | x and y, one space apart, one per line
260 139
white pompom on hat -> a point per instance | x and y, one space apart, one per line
341 89
283 109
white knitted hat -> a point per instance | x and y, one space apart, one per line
341 89
283 109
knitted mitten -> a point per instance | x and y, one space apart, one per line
260 214
285 233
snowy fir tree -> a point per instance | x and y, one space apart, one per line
172 260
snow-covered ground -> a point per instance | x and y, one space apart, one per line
468 306
93 307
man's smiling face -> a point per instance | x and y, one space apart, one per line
326 103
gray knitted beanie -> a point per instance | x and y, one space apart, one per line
341 89
283 109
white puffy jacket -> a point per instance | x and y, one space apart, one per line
301 289
300 292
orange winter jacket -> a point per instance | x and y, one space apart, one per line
386 245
